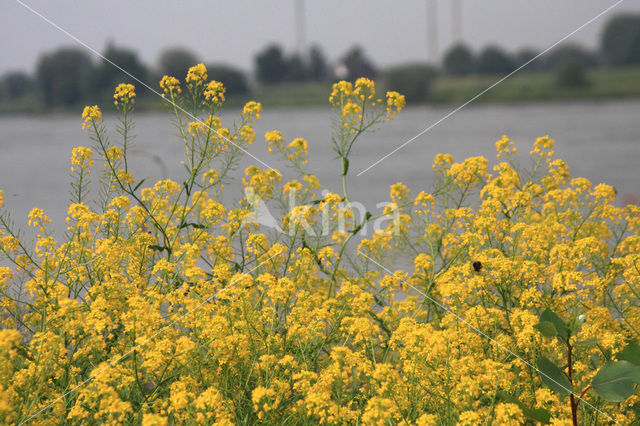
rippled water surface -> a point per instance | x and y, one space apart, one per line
599 140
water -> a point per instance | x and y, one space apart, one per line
599 140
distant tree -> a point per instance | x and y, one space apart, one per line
620 42
62 75
105 76
412 80
176 61
458 60
571 74
566 53
297 69
16 84
271 65
494 60
234 80
358 65
317 63
527 54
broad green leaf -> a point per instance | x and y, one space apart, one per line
537 414
546 328
559 324
631 353
614 381
553 377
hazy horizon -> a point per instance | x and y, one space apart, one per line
233 32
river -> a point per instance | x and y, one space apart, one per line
599 140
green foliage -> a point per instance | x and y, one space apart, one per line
61 76
569 53
631 353
536 414
317 63
176 61
553 376
233 79
458 60
493 60
571 75
271 65
620 42
15 85
614 381
297 69
358 64
413 80
525 55
104 76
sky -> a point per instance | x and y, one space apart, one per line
233 31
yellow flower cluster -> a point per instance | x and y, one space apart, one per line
124 94
163 304
214 92
90 114
81 156
197 75
170 86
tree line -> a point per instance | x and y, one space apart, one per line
68 76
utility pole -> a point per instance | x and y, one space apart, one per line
300 29
432 31
456 20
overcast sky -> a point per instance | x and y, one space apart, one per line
232 31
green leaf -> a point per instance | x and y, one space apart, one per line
345 166
553 377
194 225
614 381
158 248
138 185
631 353
537 414
546 328
586 342
559 324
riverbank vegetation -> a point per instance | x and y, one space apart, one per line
68 78
507 293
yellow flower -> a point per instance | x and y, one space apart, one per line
341 90
170 85
214 92
252 109
274 140
82 156
196 75
395 102
125 93
90 114
300 145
